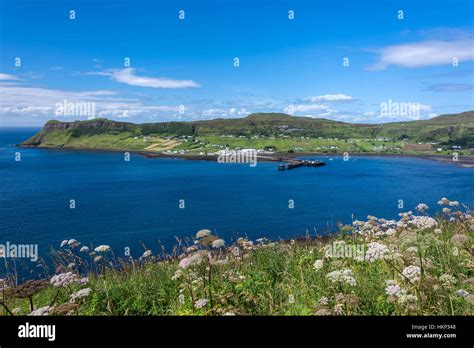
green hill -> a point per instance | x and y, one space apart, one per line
280 131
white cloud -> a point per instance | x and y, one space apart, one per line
424 53
128 76
292 109
329 98
8 77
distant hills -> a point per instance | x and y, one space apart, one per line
452 129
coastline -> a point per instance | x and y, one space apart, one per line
463 161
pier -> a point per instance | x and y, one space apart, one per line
294 163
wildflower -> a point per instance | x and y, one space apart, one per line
102 249
73 243
408 301
177 274
390 231
438 231
64 279
454 204
376 251
423 222
218 243
323 301
338 308
447 280
318 264
443 201
71 265
291 298
229 313
393 290
80 294
461 293
422 207
84 281
84 249
181 299
193 259
322 311
342 276
203 233
146 254
412 273
200 303
97 258
41 311
63 243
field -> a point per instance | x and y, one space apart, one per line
278 132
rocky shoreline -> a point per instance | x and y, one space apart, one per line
463 161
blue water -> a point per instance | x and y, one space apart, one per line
127 203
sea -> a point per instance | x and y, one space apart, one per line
47 196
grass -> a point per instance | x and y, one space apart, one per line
414 266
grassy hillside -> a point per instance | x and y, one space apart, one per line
415 266
264 130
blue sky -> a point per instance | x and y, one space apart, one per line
293 66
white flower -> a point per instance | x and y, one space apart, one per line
84 249
181 299
203 233
438 231
71 242
443 201
80 294
102 248
146 254
64 279
376 251
318 264
393 290
342 277
218 243
447 280
291 298
423 222
412 273
200 303
323 300
390 231
64 242
177 274
41 311
453 204
422 207
446 210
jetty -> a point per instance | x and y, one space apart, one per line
294 163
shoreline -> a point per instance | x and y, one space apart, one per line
463 161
